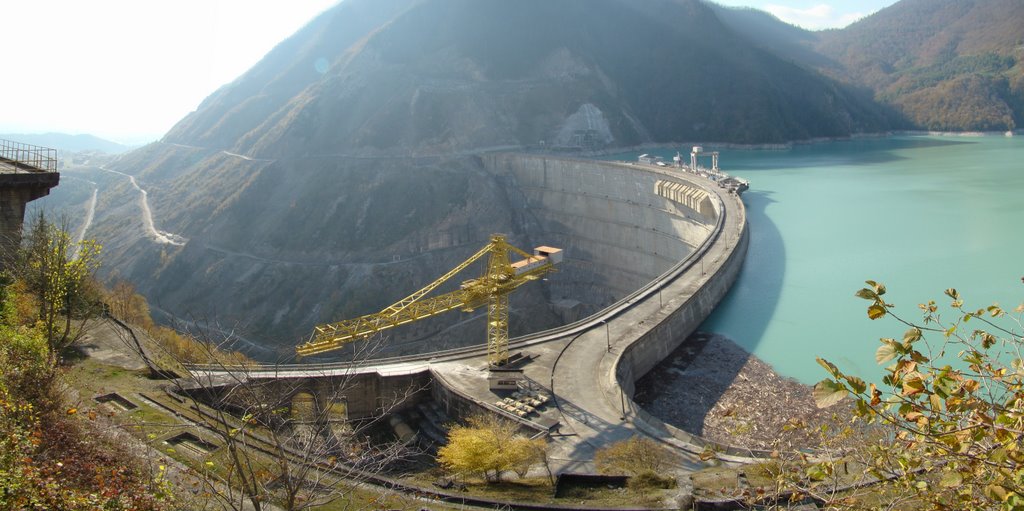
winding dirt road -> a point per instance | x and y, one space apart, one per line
158 236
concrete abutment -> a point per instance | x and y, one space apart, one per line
16 191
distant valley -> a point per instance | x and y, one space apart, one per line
68 143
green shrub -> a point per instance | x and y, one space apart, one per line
631 457
649 480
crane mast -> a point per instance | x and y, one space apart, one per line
500 278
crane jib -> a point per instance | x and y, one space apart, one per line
499 278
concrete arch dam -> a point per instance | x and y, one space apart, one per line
649 252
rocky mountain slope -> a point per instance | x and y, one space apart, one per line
444 75
337 175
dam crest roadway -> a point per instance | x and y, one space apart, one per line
672 242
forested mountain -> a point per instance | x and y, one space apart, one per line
945 64
337 174
951 65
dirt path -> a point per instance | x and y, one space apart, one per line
158 236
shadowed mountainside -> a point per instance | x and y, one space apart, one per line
446 75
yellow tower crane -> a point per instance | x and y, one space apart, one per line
500 278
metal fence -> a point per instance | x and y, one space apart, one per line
27 158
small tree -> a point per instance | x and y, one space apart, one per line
951 404
129 306
59 272
639 457
489 446
633 456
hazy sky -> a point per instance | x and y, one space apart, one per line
127 70
815 14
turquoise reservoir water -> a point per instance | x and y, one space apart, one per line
919 214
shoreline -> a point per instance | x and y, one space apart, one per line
713 388
782 146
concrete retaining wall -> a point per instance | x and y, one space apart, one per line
658 342
364 394
661 339
624 226
368 394
17 190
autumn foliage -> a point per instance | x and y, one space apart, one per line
950 402
639 457
488 446
51 458
631 457
131 307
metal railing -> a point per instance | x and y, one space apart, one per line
27 158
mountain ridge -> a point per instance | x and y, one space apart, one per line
445 59
68 142
944 65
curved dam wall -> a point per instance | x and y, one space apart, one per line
618 232
682 243
652 249
667 333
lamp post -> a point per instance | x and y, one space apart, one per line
622 402
607 335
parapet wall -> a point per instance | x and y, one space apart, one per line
657 342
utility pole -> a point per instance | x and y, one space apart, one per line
607 335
